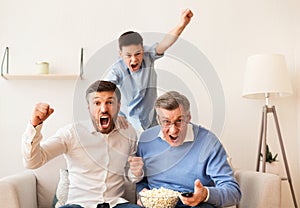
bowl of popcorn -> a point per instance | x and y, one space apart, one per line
159 198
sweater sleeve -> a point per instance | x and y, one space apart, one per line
144 182
226 191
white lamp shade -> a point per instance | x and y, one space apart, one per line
266 74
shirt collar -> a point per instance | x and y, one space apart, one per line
189 134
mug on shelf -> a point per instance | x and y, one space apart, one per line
42 67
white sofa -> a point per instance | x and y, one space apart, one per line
36 188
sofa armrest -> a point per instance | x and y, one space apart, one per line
259 189
18 190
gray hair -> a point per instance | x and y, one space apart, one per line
172 100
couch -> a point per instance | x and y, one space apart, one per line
36 188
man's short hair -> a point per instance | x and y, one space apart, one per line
103 86
130 38
172 100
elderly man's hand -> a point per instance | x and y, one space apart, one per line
40 113
200 194
139 200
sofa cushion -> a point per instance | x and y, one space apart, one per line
61 194
47 180
259 189
18 189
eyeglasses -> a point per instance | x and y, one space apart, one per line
178 123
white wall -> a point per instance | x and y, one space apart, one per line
297 68
226 32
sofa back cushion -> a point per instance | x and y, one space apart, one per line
47 180
259 189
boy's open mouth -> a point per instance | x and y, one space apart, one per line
134 66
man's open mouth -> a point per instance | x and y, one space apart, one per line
173 138
104 121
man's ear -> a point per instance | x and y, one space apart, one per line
88 107
189 118
88 101
157 119
119 106
120 53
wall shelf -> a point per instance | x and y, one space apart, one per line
41 76
8 76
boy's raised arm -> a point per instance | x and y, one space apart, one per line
171 37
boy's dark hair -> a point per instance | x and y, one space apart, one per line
130 38
103 86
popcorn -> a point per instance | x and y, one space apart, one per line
159 198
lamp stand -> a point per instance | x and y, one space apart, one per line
263 141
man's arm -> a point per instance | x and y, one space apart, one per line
226 191
32 154
136 172
173 35
35 154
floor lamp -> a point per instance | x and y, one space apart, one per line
266 77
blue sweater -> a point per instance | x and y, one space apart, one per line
177 168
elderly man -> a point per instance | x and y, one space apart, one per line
185 157
97 151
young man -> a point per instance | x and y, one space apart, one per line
185 157
134 73
96 151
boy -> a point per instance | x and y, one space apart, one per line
134 74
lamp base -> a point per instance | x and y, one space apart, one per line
263 143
